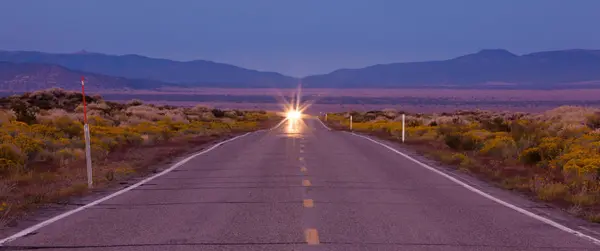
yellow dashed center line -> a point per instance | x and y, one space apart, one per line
306 183
308 203
312 236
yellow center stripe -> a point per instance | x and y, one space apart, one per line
308 203
312 236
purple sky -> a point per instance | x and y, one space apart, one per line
299 37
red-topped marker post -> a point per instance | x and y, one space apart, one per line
86 131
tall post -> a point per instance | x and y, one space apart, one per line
325 116
86 132
350 122
403 120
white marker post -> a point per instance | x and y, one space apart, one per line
403 127
350 122
86 132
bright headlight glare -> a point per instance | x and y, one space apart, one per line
294 114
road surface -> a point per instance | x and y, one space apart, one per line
306 188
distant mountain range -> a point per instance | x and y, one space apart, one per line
485 69
191 73
20 77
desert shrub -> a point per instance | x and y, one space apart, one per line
473 139
453 140
11 158
57 98
583 198
530 156
572 131
359 118
44 131
135 102
497 124
101 107
390 113
6 116
460 159
24 112
421 132
218 113
68 126
99 121
550 147
198 109
28 145
445 129
503 148
207 116
518 129
552 191
593 120
414 122
458 139
568 114
588 165
48 116
65 156
144 112
175 115
256 116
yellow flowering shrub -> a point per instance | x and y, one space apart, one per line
502 147
11 157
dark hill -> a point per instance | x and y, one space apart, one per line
193 73
20 77
485 69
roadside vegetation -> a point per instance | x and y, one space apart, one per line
553 156
42 158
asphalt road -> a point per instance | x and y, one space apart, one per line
304 189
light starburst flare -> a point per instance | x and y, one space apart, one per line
293 111
293 114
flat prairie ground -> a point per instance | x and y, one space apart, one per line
339 100
526 95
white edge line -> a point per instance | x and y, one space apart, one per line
488 196
96 202
326 127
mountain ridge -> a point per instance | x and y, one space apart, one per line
539 70
488 68
133 66
35 76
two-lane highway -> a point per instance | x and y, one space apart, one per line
303 188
